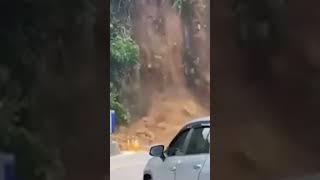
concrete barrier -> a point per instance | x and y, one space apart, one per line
114 148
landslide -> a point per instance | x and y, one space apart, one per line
172 83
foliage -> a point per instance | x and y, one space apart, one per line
124 50
124 54
183 7
122 113
122 10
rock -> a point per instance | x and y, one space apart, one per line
158 57
199 27
162 125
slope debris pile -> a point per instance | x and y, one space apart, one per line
166 116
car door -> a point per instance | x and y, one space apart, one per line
188 167
166 169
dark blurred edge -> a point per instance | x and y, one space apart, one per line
212 94
107 139
252 101
69 99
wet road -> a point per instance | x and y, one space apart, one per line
128 166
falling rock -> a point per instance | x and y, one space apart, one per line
192 71
158 57
199 27
162 125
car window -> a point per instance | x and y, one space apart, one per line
199 141
177 145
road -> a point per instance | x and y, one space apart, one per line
128 166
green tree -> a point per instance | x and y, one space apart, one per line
124 55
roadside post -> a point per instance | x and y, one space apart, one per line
114 147
7 166
112 121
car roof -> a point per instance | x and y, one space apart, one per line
197 122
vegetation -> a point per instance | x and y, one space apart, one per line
183 7
124 55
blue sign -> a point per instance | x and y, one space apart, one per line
7 167
112 121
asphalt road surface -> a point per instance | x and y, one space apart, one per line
128 166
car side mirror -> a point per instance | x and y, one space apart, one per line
157 151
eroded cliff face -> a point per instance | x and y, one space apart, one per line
197 49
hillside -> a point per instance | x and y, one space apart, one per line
172 83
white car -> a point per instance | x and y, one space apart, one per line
186 158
